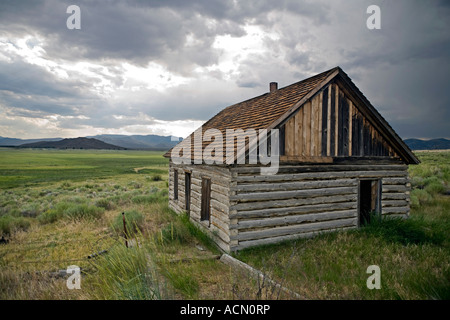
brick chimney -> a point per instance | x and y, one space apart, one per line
273 86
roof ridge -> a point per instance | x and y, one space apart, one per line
324 73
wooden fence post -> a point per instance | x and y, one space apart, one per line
125 229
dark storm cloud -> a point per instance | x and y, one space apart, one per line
34 92
401 68
27 79
141 31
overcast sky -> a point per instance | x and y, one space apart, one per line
165 67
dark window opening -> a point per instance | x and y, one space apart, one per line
175 184
187 185
206 200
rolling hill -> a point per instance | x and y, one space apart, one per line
146 142
162 143
13 142
143 142
433 144
75 143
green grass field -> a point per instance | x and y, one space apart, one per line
59 207
28 167
413 255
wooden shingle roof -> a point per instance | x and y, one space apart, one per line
270 109
260 112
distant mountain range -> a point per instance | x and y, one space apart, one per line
162 143
75 143
150 142
141 142
12 142
433 144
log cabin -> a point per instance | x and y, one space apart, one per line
340 165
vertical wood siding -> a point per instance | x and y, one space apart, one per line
331 125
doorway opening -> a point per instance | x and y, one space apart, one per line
369 201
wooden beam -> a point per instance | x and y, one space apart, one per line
294 219
316 113
285 186
307 129
345 128
290 137
333 121
250 206
281 195
324 117
252 243
363 165
334 205
329 120
350 127
299 132
313 126
319 124
305 159
271 232
319 175
336 125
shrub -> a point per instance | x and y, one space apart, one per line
155 196
30 210
417 182
105 204
422 196
435 187
121 199
49 216
156 177
72 210
143 199
83 211
8 224
415 203
10 209
65 185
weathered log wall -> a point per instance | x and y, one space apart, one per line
218 225
301 201
249 209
